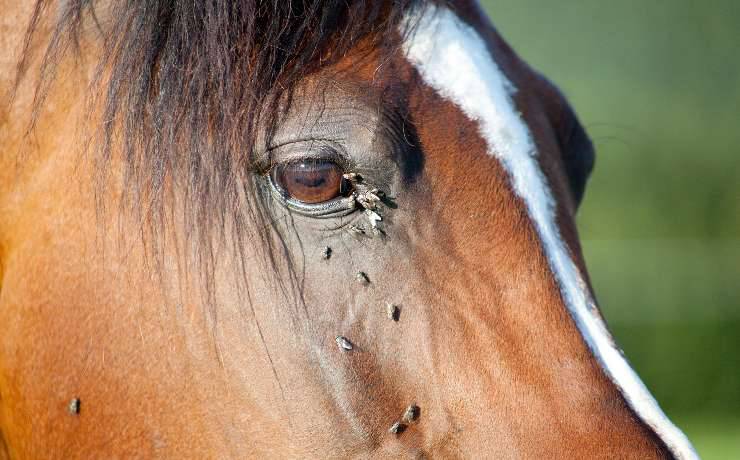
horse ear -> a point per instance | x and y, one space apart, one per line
576 149
578 157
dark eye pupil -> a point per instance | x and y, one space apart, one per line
310 181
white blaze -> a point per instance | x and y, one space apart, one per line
453 59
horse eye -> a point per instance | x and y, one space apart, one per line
310 181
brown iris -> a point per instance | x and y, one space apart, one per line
310 181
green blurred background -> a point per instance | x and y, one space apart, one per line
657 85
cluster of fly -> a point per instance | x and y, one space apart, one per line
369 200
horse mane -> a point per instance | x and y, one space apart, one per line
183 85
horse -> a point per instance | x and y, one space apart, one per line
297 229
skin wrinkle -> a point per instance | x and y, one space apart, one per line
484 345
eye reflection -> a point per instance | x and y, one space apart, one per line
311 181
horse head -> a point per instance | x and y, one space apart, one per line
299 229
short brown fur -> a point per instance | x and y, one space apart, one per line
484 345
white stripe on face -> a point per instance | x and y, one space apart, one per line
454 60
